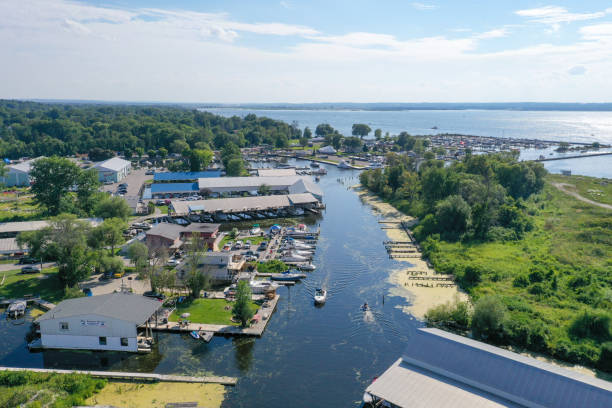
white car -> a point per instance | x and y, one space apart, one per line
173 262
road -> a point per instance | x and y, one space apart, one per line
13 266
564 188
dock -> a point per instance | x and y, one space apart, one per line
118 375
256 329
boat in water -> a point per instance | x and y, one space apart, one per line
344 165
17 308
309 266
320 296
287 277
365 307
314 165
194 334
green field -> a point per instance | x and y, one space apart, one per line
207 311
45 284
18 208
559 271
595 189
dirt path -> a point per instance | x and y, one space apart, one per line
563 187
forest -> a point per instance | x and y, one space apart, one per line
31 129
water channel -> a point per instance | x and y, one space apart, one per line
308 356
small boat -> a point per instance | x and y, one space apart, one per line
344 165
434 127
307 266
289 257
317 179
194 334
320 296
17 308
205 336
365 307
255 230
288 277
260 287
314 164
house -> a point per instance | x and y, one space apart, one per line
18 174
441 369
173 236
106 322
327 150
114 169
222 267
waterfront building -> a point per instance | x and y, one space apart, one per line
114 169
18 174
441 369
106 322
172 236
221 267
184 176
269 172
251 185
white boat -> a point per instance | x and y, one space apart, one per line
375 165
255 230
320 296
17 308
309 266
291 257
260 287
344 165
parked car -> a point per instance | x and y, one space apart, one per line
118 275
249 253
151 294
262 246
251 258
238 245
160 202
173 262
226 248
30 269
25 260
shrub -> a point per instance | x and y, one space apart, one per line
488 318
471 276
536 289
605 358
521 281
593 325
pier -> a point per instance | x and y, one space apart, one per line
118 375
576 156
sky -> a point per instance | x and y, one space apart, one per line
258 51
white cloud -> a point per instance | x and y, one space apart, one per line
577 70
496 33
423 6
286 4
597 31
554 16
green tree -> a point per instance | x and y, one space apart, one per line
200 159
112 207
235 167
242 306
264 189
323 129
307 133
52 178
336 141
361 130
303 141
111 265
87 185
110 233
179 146
66 243
353 144
453 214
197 279
139 255
488 318
378 134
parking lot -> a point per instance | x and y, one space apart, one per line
134 181
102 287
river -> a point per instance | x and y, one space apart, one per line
308 356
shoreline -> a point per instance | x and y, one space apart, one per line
421 298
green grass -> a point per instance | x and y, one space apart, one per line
163 209
23 208
272 266
595 189
45 284
570 248
207 311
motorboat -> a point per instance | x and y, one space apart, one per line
320 296
365 307
314 164
287 277
260 287
17 308
344 165
255 230
320 171
307 266
374 165
194 334
291 257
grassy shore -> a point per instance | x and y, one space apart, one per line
45 284
207 311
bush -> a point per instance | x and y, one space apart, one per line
488 318
593 325
471 276
111 265
605 358
454 315
521 281
536 289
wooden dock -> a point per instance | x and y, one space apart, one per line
118 375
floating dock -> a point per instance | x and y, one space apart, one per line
118 375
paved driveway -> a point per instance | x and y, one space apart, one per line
102 287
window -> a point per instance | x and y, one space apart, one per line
124 342
102 341
63 326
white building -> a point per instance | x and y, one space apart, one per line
251 185
221 267
327 150
106 322
18 174
114 169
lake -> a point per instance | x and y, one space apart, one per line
308 356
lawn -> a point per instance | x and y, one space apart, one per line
595 189
45 284
207 311
18 208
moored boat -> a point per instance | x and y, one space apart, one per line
307 266
194 334
288 277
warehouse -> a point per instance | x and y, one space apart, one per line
106 322
113 170
18 175
252 185
183 176
441 369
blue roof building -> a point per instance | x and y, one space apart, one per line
185 176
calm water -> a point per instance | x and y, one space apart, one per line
561 126
307 354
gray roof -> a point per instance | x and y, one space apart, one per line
275 172
224 184
9 246
239 204
20 226
122 306
112 164
173 231
24 166
524 381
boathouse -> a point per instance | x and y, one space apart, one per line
106 322
441 369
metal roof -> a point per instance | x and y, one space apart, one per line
24 166
524 381
239 204
112 164
185 176
173 231
161 188
9 246
275 172
121 306
294 184
20 226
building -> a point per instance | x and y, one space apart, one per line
18 175
106 322
173 236
327 150
175 177
12 229
251 185
269 172
222 267
170 190
441 369
114 169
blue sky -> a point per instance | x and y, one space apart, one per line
306 51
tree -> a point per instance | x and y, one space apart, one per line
139 255
242 307
336 141
111 265
303 141
378 134
197 279
98 154
112 207
307 133
110 233
264 189
87 185
52 178
352 143
163 152
323 129
488 318
453 214
361 130
200 159
179 146
235 167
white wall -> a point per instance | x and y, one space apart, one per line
85 325
67 341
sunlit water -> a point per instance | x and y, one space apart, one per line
308 356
